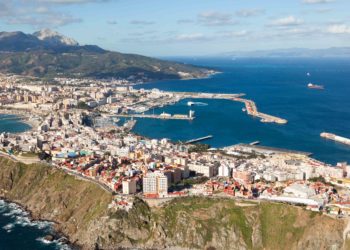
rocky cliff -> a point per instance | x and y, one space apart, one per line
81 211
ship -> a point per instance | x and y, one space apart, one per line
190 104
196 104
314 86
336 138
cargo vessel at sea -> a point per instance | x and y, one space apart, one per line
314 86
336 138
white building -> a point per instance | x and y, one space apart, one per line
155 183
299 190
129 186
224 171
205 170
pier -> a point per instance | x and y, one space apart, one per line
253 111
335 138
249 104
199 139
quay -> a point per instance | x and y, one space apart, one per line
253 111
268 150
199 139
161 116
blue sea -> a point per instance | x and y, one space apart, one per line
279 87
17 231
11 123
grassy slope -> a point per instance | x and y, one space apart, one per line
280 226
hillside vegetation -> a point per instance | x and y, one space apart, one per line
26 54
81 210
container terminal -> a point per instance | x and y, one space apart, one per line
336 138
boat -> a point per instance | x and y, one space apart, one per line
190 104
244 110
196 104
314 86
308 74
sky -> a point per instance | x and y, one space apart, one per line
186 27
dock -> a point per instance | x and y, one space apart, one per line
199 139
268 150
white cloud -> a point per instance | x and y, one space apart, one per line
339 29
250 12
214 18
69 1
240 33
51 20
185 21
141 22
191 37
287 21
317 1
42 10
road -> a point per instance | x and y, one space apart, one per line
78 175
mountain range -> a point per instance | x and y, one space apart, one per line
336 52
49 54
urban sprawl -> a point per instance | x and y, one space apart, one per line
83 127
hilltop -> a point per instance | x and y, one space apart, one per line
47 53
80 209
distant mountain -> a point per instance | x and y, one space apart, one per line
343 52
49 54
18 41
54 38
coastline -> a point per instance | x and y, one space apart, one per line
208 76
58 236
21 114
47 199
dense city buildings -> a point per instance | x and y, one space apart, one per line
84 128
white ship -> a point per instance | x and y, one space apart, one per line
196 104
314 86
